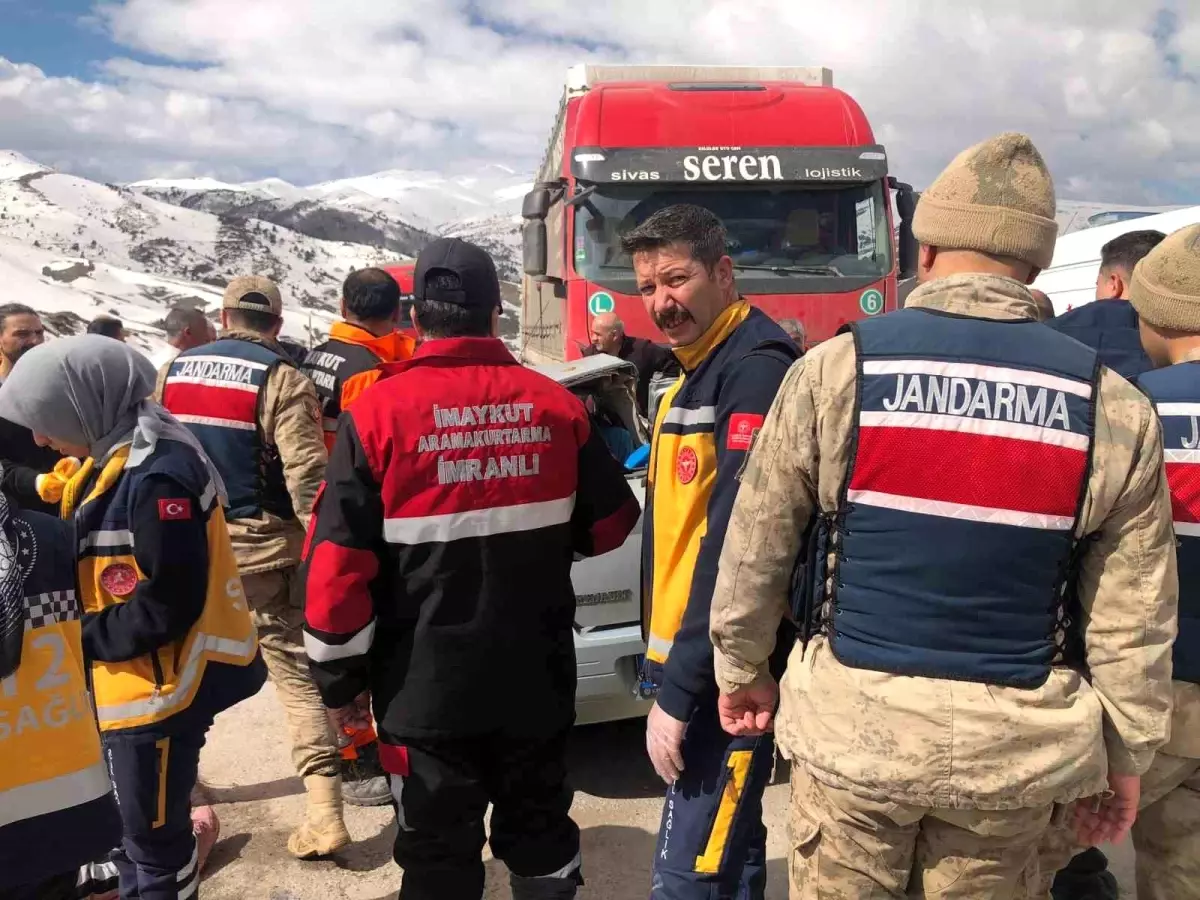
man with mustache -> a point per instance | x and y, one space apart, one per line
712 841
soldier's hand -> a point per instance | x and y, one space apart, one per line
352 717
1107 819
750 711
664 743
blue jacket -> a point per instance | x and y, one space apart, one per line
705 426
971 445
1110 327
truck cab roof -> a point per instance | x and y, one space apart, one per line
765 114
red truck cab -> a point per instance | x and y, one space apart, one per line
402 273
788 162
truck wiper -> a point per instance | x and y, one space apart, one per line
791 270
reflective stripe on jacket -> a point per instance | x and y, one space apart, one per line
56 805
216 664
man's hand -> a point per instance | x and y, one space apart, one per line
750 711
664 743
1107 819
353 717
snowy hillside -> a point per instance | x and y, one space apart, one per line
395 210
74 249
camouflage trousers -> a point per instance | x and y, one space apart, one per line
276 601
845 847
1166 834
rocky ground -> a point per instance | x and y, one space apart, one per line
247 771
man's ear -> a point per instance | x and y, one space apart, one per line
723 273
1033 275
926 257
1119 284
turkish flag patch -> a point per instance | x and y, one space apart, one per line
171 510
742 429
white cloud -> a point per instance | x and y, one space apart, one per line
311 89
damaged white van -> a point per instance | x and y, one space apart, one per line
608 589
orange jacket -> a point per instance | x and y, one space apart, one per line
396 346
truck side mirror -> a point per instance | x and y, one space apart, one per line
906 252
533 248
537 203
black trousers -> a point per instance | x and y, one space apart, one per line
154 773
440 807
60 887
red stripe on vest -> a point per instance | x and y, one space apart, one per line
214 402
970 469
1184 481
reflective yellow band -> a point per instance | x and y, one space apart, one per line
164 749
108 716
739 767
54 794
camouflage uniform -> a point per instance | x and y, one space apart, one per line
951 781
1165 292
268 550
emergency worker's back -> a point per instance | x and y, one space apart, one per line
486 479
56 802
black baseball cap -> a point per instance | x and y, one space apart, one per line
478 285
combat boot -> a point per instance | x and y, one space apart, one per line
323 831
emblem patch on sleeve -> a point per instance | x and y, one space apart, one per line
743 428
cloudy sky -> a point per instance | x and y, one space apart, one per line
316 89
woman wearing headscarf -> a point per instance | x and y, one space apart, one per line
165 624
56 802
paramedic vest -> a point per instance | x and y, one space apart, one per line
217 391
56 804
329 366
952 548
216 664
1175 392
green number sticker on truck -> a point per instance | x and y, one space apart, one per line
871 302
601 302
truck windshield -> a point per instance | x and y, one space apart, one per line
801 233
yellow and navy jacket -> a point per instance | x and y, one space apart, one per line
165 626
56 803
705 426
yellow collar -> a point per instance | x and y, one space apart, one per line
692 355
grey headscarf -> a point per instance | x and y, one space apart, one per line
93 391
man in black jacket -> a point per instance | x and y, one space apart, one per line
1109 325
20 331
608 336
461 487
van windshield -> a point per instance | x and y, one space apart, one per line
792 231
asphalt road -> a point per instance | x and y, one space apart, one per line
246 771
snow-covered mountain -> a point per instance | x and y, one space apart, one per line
74 249
396 210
